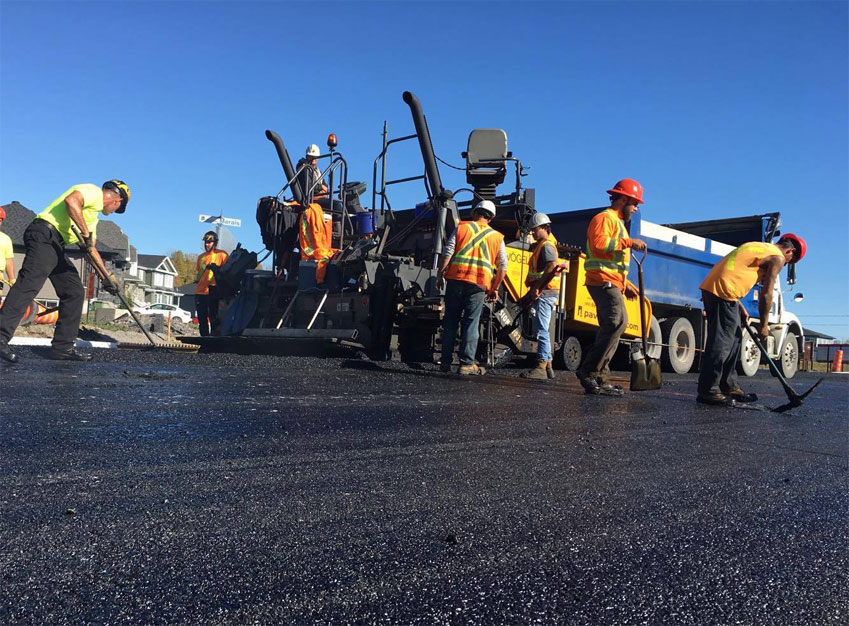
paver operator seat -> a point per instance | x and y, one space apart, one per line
485 160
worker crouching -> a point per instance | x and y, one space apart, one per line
473 264
608 257
543 283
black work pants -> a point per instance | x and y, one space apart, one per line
612 321
718 370
207 308
45 259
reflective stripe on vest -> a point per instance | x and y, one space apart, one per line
535 272
474 256
616 261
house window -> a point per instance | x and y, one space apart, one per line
157 280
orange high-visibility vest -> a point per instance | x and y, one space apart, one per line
475 254
206 278
608 253
534 272
315 234
315 237
737 272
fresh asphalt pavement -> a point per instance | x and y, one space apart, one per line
155 487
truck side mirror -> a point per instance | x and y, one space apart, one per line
791 274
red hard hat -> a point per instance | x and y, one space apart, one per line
2 213
798 243
628 187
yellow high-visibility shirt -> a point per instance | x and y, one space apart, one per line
734 275
57 212
6 251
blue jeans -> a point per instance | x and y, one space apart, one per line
542 320
466 299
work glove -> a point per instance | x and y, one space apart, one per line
88 241
111 285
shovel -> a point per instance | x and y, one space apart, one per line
645 372
103 275
795 398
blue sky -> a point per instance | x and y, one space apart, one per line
720 109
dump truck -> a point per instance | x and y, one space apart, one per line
680 257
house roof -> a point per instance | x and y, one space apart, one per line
188 289
110 238
18 217
151 261
812 333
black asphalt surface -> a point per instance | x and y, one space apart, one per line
152 488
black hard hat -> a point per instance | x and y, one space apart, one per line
210 236
121 188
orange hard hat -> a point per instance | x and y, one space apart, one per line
798 243
2 213
628 187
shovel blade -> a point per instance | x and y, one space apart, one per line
645 375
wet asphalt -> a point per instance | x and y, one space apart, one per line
155 487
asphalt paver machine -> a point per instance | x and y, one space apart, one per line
378 292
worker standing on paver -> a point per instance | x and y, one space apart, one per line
606 268
309 176
474 261
7 253
543 283
727 282
206 297
45 240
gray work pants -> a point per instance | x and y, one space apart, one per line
612 321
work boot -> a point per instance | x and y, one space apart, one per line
738 395
549 369
540 372
715 398
611 390
471 370
589 384
7 354
68 354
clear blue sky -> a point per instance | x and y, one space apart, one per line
720 109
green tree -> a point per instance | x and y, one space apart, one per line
184 263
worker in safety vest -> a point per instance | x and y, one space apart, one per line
474 261
45 239
206 296
727 282
543 283
315 236
7 254
606 268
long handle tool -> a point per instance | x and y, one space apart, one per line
103 275
645 372
795 398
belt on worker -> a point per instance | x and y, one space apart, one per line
52 228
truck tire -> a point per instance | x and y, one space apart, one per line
750 357
680 339
654 340
569 355
788 358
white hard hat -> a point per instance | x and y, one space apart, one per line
485 206
539 219
313 151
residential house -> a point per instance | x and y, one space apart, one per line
155 274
